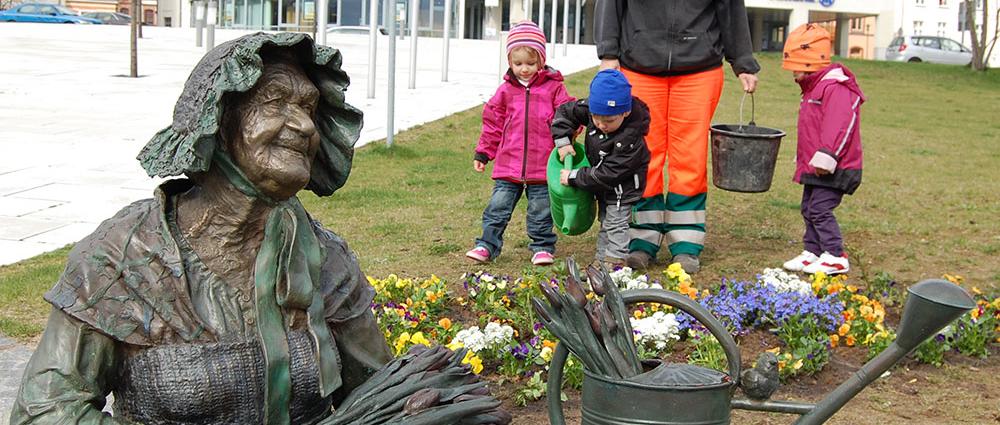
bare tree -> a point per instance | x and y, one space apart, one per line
981 47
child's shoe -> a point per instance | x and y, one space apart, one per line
480 254
801 261
828 264
542 258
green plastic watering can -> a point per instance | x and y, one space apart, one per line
573 210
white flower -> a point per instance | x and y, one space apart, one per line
625 278
497 335
486 277
784 282
657 330
472 338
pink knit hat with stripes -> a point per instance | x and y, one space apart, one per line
527 33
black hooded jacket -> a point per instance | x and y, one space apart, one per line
618 160
674 37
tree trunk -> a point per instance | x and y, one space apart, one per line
133 44
984 60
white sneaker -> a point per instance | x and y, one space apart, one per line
828 264
801 261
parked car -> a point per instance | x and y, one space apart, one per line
109 18
922 48
42 12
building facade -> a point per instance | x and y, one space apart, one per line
861 28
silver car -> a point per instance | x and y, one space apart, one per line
923 48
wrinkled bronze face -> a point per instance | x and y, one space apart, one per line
273 136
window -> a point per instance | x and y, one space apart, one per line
30 8
943 3
147 17
920 2
950 45
918 27
46 10
942 27
167 21
896 42
930 43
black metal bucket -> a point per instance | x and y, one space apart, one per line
744 156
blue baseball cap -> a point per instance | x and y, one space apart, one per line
610 93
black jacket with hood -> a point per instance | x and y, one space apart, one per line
674 37
618 160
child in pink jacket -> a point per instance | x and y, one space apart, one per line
828 155
516 137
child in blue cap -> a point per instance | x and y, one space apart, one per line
615 144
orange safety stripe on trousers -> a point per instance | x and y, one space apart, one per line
680 109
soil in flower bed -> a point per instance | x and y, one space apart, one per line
911 394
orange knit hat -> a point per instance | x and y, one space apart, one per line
807 49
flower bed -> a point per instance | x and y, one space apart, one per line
809 317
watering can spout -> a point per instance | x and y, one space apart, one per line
930 306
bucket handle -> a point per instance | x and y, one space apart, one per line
753 111
553 388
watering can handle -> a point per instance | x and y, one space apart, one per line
753 110
568 162
685 304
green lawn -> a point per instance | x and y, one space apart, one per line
928 204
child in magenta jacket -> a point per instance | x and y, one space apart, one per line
828 155
516 137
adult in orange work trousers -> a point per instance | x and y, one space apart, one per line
671 51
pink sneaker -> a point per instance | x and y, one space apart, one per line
542 258
480 254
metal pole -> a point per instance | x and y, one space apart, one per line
322 14
447 40
502 56
199 22
552 29
565 26
133 43
414 17
390 13
372 45
577 26
541 15
210 13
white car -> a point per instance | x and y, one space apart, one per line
922 48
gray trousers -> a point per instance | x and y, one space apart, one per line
612 240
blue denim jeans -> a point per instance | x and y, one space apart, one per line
497 214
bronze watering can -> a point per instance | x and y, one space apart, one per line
697 395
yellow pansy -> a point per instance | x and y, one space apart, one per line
834 340
546 353
418 338
474 361
455 345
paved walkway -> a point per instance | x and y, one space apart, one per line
13 358
71 125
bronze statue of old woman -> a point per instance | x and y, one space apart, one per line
220 300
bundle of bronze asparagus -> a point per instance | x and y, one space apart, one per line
426 386
598 332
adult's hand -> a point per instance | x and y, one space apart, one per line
610 64
749 82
